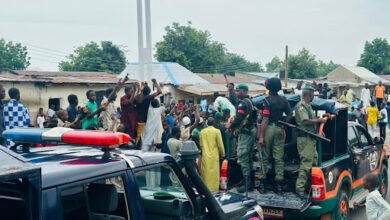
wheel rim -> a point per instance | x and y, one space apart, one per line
343 210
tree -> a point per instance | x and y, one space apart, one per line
376 56
195 50
13 55
275 65
104 58
325 68
303 65
234 62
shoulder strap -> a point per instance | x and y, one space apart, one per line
250 102
308 111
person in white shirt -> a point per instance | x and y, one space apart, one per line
376 207
298 89
51 112
365 96
40 118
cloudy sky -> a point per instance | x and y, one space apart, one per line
258 29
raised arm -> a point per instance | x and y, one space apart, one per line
155 84
197 118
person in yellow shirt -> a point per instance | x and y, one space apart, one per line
372 119
212 148
379 93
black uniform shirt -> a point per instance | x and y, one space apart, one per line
243 109
274 106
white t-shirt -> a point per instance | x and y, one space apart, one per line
40 121
384 113
50 112
298 91
376 206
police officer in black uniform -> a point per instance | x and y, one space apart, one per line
271 133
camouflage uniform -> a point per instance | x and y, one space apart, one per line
306 144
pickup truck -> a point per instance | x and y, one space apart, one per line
346 153
74 181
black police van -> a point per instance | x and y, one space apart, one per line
73 181
346 153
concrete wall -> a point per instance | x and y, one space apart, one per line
341 74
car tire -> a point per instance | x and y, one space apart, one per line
342 211
384 181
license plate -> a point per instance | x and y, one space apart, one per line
273 213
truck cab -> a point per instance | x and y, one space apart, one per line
346 153
74 181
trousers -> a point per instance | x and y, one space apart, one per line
273 148
246 142
308 155
372 130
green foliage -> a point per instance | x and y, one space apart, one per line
13 55
104 58
376 56
234 62
275 65
195 50
302 66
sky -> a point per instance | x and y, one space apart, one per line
257 29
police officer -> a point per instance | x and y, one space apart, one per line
244 124
305 119
271 134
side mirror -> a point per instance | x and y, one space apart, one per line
379 140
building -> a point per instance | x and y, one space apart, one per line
181 84
354 74
256 77
40 89
218 81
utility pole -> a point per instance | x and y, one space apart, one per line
144 54
286 69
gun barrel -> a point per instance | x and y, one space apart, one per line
303 130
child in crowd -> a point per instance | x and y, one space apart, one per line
383 121
63 119
40 118
376 207
91 117
372 119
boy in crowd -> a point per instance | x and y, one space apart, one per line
90 120
376 207
63 119
16 114
383 121
73 111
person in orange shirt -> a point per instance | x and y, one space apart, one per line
379 93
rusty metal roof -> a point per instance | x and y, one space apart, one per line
7 75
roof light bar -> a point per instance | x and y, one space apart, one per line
66 135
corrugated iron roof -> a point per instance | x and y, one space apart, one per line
164 72
202 89
263 74
58 77
220 79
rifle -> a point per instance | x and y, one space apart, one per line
303 130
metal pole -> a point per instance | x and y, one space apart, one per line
140 40
286 71
148 39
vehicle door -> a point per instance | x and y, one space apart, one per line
165 193
20 187
359 159
371 151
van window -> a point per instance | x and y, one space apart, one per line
103 199
352 138
162 194
363 137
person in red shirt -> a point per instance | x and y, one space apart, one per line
129 112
